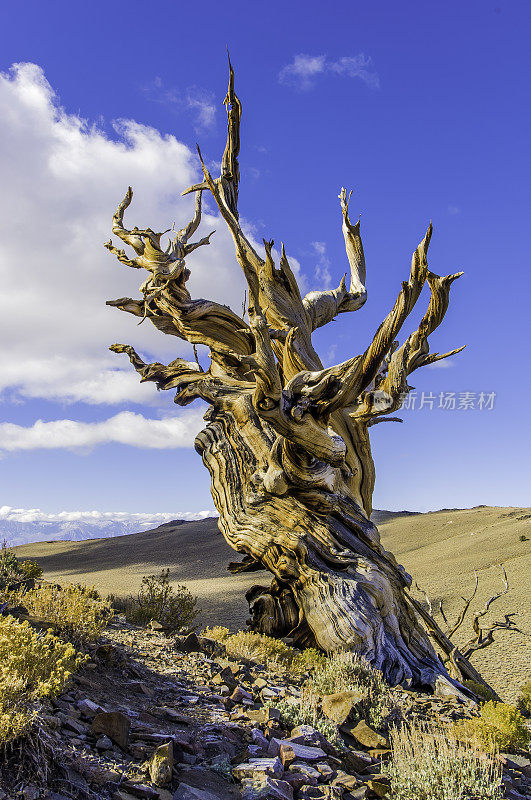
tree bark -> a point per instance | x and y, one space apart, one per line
287 441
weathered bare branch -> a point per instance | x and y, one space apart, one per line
322 307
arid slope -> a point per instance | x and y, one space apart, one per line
440 549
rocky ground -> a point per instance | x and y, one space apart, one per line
148 719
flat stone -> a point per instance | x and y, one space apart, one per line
72 724
141 790
320 793
250 769
517 762
307 734
379 787
357 761
325 769
298 779
198 779
301 751
361 793
445 689
305 769
368 737
266 788
113 724
88 708
338 707
346 780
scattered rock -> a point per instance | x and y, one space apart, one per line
103 743
239 695
300 751
338 707
88 708
255 766
113 724
380 787
161 765
266 788
357 760
368 737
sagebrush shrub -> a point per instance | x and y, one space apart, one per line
426 764
157 600
30 569
71 610
499 726
32 666
271 652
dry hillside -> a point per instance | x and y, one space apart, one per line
440 549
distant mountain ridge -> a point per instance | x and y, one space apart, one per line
18 532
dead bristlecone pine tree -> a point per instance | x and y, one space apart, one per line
286 440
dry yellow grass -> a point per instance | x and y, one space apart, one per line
440 549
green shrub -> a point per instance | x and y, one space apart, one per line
175 608
9 566
499 726
32 666
524 701
31 570
71 610
426 764
13 571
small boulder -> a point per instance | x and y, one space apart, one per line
266 788
256 766
103 743
380 786
338 707
88 708
161 765
301 751
240 694
368 737
113 724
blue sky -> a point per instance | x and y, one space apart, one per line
421 108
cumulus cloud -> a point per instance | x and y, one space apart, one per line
30 515
61 182
127 427
304 70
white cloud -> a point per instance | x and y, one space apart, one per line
126 427
30 515
304 69
61 182
453 210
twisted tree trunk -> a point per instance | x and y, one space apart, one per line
287 441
